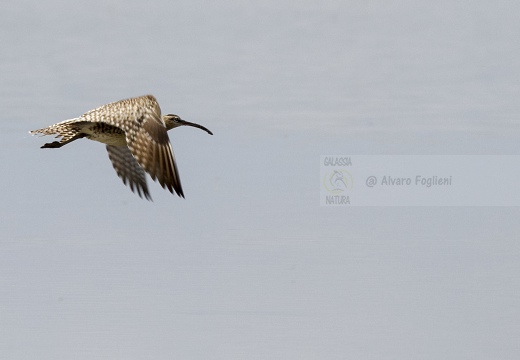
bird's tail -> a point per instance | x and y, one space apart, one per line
66 129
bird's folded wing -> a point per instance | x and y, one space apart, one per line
146 136
128 169
148 142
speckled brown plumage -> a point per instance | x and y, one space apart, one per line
136 137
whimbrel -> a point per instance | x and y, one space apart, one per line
136 139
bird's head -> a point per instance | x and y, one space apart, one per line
172 121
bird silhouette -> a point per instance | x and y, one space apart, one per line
136 138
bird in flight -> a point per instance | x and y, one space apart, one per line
136 138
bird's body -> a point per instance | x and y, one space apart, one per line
104 133
136 137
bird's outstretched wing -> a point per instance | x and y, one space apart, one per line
128 169
146 137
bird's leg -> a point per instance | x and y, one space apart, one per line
58 144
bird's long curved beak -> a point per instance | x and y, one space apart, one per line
187 123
